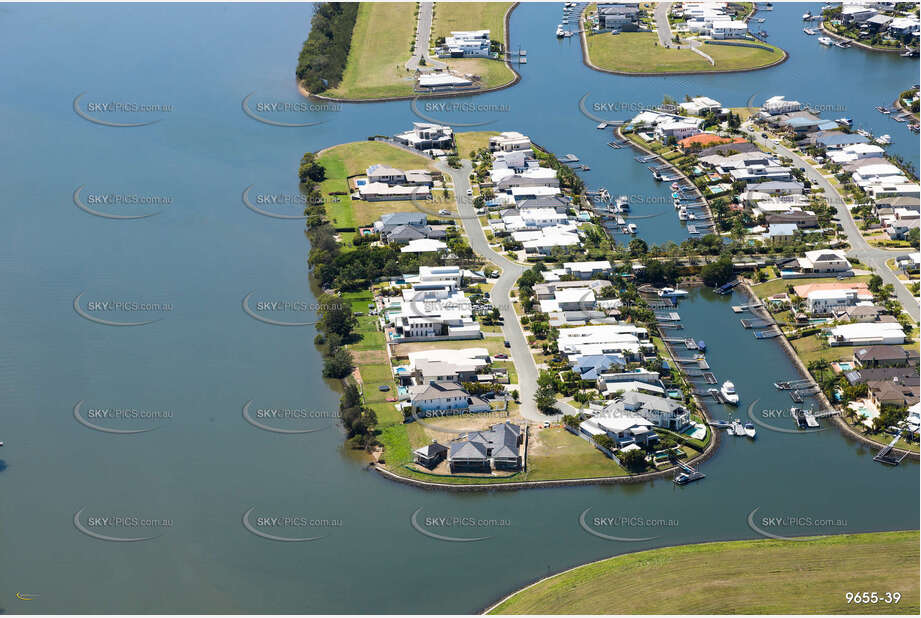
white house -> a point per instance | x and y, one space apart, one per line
826 302
729 29
509 141
778 105
467 44
587 270
624 430
699 106
867 333
677 129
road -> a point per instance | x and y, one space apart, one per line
860 248
519 351
423 36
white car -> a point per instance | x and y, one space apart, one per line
469 191
444 212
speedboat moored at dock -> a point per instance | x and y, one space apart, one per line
728 391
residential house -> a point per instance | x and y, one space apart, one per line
466 44
430 455
509 141
882 333
624 430
885 356
440 398
427 136
497 448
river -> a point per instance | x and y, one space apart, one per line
205 466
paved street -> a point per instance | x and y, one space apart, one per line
860 248
423 36
511 271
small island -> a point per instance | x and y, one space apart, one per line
657 39
373 51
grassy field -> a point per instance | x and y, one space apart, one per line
383 35
639 52
739 577
472 140
557 454
354 158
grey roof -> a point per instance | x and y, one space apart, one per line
467 450
439 390
406 232
403 218
432 450
552 201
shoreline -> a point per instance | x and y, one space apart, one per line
433 95
857 43
541 580
588 62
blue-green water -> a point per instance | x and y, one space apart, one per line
204 467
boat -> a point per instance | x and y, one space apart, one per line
675 186
881 109
807 16
672 292
623 202
560 33
844 122
863 132
824 40
760 20
809 31
884 139
702 345
728 391
843 44
737 428
632 228
683 478
683 214
721 424
692 216
620 220
749 430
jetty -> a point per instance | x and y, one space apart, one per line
889 455
769 333
755 323
748 307
671 316
726 288
688 474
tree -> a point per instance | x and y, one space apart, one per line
604 440
311 169
875 283
545 399
633 459
638 247
337 316
339 365
717 273
571 421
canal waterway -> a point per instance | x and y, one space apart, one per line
190 480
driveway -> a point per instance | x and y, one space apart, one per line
860 248
519 351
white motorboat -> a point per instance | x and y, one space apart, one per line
844 122
807 16
672 292
749 430
824 40
683 214
884 139
737 429
809 31
623 202
632 228
729 392
692 216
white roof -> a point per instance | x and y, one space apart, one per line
423 245
587 266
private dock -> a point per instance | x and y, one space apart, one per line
885 455
787 385
748 307
726 288
755 323
671 316
768 334
710 378
569 158
688 343
688 473
616 145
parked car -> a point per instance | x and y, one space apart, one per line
507 343
501 356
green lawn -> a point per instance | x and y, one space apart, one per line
352 159
779 286
384 33
561 455
739 577
639 52
472 140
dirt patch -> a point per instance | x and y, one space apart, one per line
369 357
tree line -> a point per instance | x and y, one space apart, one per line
325 52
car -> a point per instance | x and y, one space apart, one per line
444 212
383 388
546 424
507 343
501 356
764 135
469 191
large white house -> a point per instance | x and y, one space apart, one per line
867 333
467 43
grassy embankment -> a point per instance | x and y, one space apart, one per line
639 52
384 33
738 577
